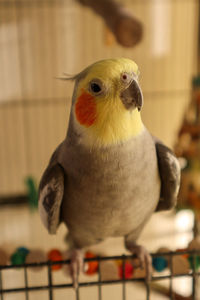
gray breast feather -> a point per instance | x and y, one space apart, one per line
118 187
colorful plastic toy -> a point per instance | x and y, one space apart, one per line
19 256
128 270
92 265
159 263
55 255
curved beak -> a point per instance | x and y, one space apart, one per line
132 96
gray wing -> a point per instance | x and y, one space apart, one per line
169 170
51 190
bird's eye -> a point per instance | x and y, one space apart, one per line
126 78
96 87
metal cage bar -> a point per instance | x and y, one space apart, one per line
193 273
123 278
1 286
26 282
50 282
194 277
77 292
170 283
99 280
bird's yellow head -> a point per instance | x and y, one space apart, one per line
107 102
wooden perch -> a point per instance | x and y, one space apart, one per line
126 28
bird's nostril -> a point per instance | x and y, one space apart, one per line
124 76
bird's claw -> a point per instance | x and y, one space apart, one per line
76 265
144 259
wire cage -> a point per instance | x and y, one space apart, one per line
26 289
41 39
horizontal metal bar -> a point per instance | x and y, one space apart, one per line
98 258
14 200
93 283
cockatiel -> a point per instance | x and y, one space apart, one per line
109 174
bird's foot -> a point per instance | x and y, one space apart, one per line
145 259
76 265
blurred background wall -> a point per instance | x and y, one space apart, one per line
41 39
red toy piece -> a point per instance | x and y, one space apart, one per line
55 255
128 270
92 265
183 250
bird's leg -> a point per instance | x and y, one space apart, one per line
76 265
141 253
144 258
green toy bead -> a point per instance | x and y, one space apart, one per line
19 256
193 261
196 81
159 263
31 192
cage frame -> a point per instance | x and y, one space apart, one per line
194 273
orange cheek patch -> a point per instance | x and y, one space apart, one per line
85 109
